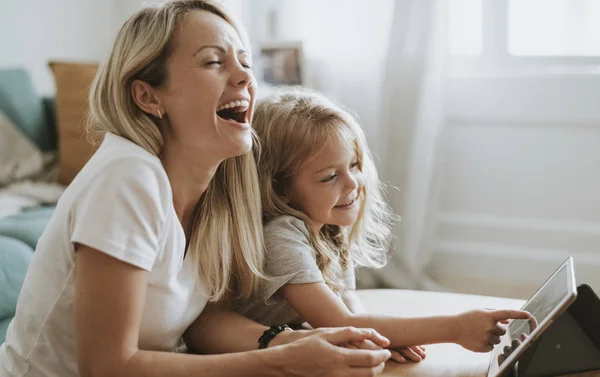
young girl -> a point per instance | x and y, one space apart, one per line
324 214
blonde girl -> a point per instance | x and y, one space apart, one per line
324 214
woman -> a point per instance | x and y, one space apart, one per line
162 220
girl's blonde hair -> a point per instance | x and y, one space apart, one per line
293 126
226 241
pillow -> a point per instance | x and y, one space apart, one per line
73 81
20 104
15 257
20 157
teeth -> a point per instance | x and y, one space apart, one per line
243 105
347 204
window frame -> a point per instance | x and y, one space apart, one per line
495 59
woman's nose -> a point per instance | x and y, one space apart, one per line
241 76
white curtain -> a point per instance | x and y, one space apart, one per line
383 60
411 120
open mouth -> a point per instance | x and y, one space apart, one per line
236 111
346 205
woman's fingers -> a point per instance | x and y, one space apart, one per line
367 345
353 335
366 358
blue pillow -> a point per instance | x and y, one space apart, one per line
3 327
25 108
28 225
15 257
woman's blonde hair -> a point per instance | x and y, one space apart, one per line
226 241
293 125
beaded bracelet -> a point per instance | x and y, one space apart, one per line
269 334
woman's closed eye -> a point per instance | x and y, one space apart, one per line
214 62
220 63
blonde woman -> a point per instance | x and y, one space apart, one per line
165 218
324 213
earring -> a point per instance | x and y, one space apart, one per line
159 114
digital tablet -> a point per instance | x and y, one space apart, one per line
550 300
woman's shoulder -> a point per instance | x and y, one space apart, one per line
115 148
120 165
120 156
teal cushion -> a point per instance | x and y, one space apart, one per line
3 327
15 257
25 108
27 226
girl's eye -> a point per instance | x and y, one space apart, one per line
354 165
329 179
246 65
213 62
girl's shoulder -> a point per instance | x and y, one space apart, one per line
285 226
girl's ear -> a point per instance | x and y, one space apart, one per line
281 191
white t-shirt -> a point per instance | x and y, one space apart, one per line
121 204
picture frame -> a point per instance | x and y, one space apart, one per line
281 63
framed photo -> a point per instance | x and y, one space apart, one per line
281 63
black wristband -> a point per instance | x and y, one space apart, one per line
269 334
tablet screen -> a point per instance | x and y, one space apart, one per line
553 297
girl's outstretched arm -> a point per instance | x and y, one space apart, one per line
476 330
400 354
353 302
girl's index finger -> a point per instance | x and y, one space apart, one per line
506 314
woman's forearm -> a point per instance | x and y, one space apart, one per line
224 331
160 364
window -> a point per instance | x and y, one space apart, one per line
501 30
554 27
465 27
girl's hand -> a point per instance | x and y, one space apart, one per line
399 355
479 330
404 354
322 354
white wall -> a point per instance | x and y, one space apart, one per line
520 183
33 32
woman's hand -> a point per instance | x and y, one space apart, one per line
288 336
322 354
479 330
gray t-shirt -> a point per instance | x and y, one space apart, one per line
289 259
